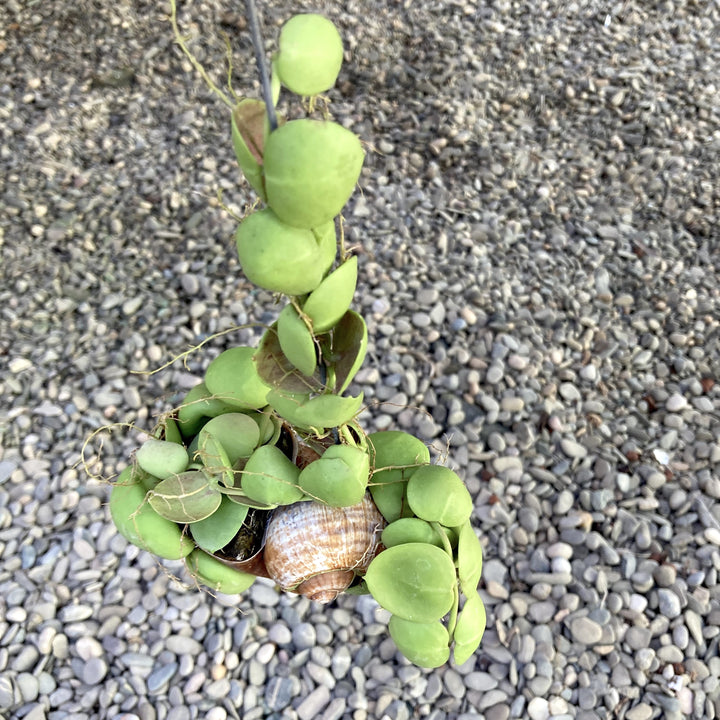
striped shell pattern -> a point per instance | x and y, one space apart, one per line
317 550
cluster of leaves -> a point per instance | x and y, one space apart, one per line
433 554
225 454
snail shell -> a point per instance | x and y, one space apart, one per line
317 550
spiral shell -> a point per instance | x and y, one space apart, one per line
317 550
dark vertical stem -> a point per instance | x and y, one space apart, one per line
261 63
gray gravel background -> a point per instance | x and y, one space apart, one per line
538 231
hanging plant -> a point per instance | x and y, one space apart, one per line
264 470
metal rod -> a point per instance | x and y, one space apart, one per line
261 63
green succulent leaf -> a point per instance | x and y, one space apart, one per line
170 431
319 413
148 481
277 256
232 377
186 498
268 425
332 297
424 644
326 237
437 494
270 477
140 524
214 459
360 588
311 167
237 495
339 478
311 53
218 529
469 558
296 340
415 581
469 629
237 433
394 456
162 458
199 405
218 576
407 530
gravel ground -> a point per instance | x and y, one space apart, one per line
539 234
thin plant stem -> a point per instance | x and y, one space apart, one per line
180 40
261 63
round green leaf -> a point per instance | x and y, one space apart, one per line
407 530
424 644
390 500
437 494
269 477
415 581
162 458
331 299
469 629
218 529
311 53
238 434
198 405
277 256
232 378
394 457
185 498
338 478
218 576
138 523
311 167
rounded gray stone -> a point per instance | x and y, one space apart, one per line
7 691
585 631
669 603
494 374
94 671
303 636
28 686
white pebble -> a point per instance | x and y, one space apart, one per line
559 550
637 603
675 403
712 535
573 449
686 697
539 709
